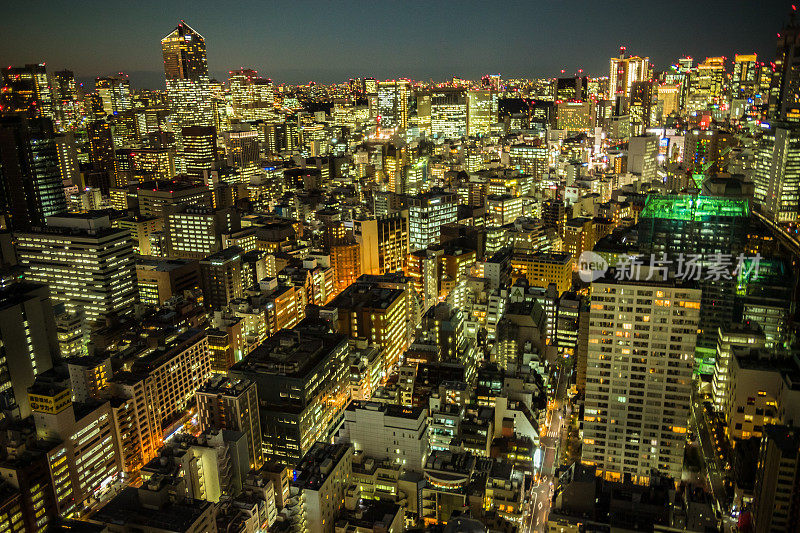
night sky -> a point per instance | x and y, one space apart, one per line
334 40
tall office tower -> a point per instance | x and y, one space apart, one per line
188 84
81 444
115 92
195 231
27 90
480 116
704 226
502 209
301 375
642 154
776 495
449 113
221 277
639 376
379 314
232 404
745 78
530 159
784 87
66 101
744 335
242 151
383 242
198 150
102 155
68 162
427 213
776 175
251 95
670 97
28 342
706 84
574 88
705 151
641 106
624 71
29 171
394 98
575 116
87 264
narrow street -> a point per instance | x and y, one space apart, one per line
536 518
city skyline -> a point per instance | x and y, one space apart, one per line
326 46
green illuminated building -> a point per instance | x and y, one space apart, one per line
690 225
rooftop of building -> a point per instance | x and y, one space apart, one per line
693 208
365 295
462 463
231 253
224 385
291 352
161 354
129 508
368 515
161 264
396 411
787 439
317 464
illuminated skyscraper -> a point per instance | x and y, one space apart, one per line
777 173
449 113
188 85
29 171
184 52
251 96
115 91
624 71
198 149
639 377
427 213
784 90
480 116
744 82
393 102
27 89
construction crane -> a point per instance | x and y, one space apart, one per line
699 176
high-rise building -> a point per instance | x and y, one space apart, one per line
28 343
301 375
251 95
624 71
188 84
27 90
449 113
784 88
198 150
87 264
776 175
383 243
642 154
29 171
639 376
745 77
480 112
427 213
704 226
366 310
221 277
321 479
394 98
777 486
115 92
81 444
102 155
747 336
232 404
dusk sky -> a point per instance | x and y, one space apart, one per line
331 41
